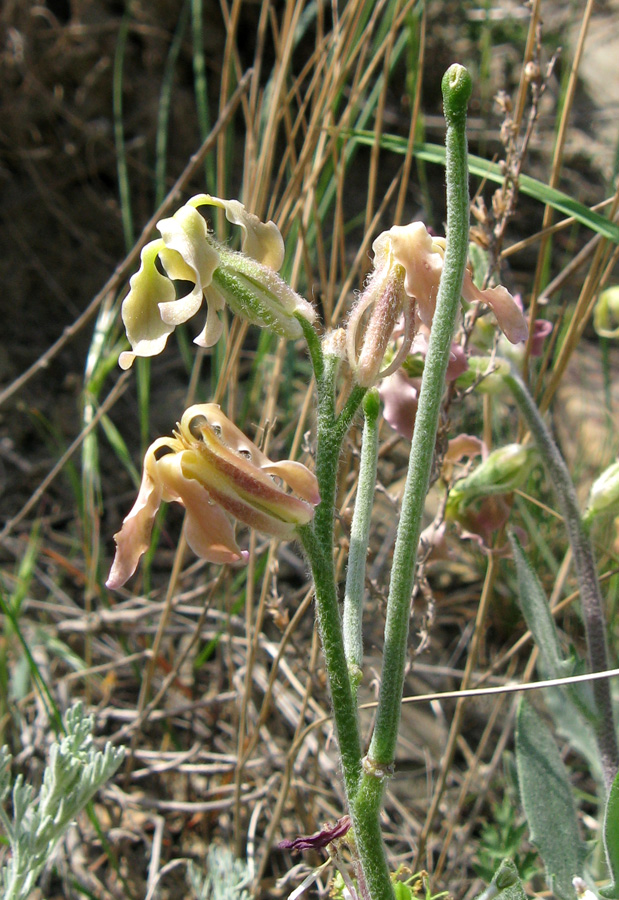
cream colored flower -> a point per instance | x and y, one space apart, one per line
215 472
247 281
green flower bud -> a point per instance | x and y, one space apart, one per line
258 294
504 470
606 313
604 494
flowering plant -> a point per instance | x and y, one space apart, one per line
402 337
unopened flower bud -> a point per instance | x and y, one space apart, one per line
408 263
606 313
503 470
334 343
258 294
604 494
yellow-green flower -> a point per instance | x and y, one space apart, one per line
247 281
215 472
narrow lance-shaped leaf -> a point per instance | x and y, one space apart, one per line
534 604
434 153
611 841
548 802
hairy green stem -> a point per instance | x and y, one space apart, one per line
359 540
330 627
378 764
318 542
365 781
456 92
586 573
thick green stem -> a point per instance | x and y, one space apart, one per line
586 573
318 542
359 539
378 764
456 92
330 627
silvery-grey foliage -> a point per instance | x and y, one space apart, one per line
74 773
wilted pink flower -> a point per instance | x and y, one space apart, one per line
408 263
400 393
542 328
319 840
214 471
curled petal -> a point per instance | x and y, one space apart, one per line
542 328
208 530
227 432
146 331
400 395
509 316
298 477
190 256
133 539
465 445
261 240
319 840
459 447
213 326
421 257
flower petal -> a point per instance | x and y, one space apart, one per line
213 326
208 530
508 314
185 232
400 395
416 251
298 477
133 539
320 839
146 331
261 240
542 328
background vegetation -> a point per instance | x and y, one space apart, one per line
211 678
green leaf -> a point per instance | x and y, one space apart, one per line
402 891
558 200
535 609
548 802
541 624
611 841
